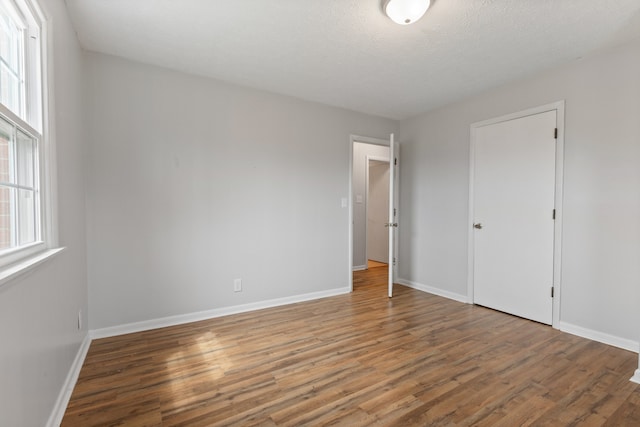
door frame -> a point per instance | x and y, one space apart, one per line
366 199
352 140
557 234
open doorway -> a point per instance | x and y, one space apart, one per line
369 210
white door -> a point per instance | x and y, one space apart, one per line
513 215
394 148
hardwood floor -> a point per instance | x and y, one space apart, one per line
357 360
373 264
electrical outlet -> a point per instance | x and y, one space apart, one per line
80 319
237 285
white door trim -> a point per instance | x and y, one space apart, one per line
352 140
394 208
557 243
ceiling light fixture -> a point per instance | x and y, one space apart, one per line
405 12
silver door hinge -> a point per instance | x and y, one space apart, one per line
395 161
555 133
394 211
553 215
552 291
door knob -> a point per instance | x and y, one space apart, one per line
478 226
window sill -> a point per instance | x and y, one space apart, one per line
14 270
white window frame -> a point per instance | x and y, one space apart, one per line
34 121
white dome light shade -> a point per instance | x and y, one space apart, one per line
405 12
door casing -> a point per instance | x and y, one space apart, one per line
557 246
352 140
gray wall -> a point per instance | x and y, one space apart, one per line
38 311
359 183
601 234
194 182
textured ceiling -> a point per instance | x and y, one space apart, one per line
347 53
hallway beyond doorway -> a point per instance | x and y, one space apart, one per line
373 264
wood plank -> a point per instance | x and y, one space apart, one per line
357 359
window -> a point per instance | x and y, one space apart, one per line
23 211
18 188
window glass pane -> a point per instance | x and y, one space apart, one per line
18 214
10 90
11 69
6 128
27 218
25 160
6 217
10 39
6 131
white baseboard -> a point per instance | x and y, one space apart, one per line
359 267
70 382
210 314
65 393
433 290
602 337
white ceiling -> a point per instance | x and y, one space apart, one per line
347 53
